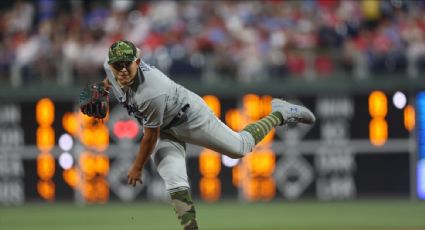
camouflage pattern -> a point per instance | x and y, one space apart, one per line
122 51
261 128
184 208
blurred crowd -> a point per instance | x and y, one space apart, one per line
66 42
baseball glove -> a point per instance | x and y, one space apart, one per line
94 100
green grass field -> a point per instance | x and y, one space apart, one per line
373 214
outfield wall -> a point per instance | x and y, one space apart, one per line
364 144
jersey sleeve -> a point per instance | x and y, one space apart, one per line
118 93
153 111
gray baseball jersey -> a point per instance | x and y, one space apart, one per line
155 101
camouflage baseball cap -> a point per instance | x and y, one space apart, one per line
122 51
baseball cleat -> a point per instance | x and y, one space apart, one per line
292 113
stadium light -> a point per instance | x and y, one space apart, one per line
65 142
399 100
66 160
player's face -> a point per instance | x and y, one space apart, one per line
125 72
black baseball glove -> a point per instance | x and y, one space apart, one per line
94 100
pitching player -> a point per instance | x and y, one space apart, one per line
171 117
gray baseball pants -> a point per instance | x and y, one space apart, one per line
203 128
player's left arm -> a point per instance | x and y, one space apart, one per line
147 145
94 100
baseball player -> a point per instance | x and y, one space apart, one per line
171 117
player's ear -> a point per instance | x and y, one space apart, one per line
138 61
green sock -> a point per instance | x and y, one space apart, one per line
261 128
184 208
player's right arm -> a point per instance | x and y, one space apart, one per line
153 114
147 145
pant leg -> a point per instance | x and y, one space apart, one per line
203 128
169 159
170 162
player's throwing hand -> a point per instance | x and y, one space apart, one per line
134 176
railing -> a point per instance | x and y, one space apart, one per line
210 69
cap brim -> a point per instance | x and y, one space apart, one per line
120 60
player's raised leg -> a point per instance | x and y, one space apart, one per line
169 159
212 133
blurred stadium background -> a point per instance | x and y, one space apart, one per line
358 65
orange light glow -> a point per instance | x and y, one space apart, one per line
70 123
235 119
252 189
95 190
71 177
88 191
45 112
45 138
46 189
88 137
214 103
268 188
102 164
87 121
261 163
378 131
101 189
96 137
210 189
377 104
266 105
259 188
88 165
251 106
209 163
101 141
236 175
45 166
409 118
